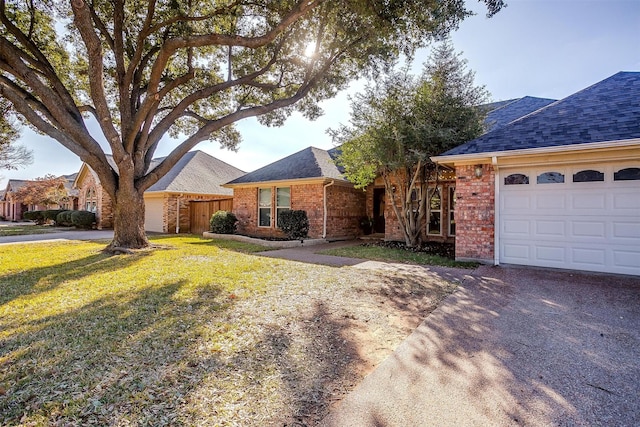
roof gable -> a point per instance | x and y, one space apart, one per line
606 111
309 163
196 172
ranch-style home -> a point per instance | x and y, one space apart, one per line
169 203
308 180
12 207
559 187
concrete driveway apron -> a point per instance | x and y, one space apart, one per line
513 346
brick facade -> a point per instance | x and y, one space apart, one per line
475 213
171 203
90 192
345 206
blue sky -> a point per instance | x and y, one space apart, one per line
543 48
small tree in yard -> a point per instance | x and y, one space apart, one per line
45 191
144 69
397 125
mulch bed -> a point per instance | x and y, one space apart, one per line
446 250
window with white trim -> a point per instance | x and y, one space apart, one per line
434 227
452 210
264 207
283 200
91 200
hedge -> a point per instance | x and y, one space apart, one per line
294 224
223 222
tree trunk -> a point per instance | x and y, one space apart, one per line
128 219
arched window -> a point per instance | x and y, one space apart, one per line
550 178
91 200
516 179
628 174
588 175
435 212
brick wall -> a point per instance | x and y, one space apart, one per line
475 213
345 206
104 206
171 204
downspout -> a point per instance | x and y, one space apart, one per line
178 214
496 210
324 202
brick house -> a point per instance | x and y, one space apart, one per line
12 208
559 187
197 176
307 180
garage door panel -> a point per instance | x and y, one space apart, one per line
584 229
588 201
626 230
592 226
552 202
588 256
550 228
550 255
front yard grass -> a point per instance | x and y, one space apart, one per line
191 333
385 254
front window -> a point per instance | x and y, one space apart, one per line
435 212
264 207
452 209
283 200
91 202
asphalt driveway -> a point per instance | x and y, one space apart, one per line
513 346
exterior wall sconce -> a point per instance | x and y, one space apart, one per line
478 171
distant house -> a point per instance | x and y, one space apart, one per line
559 187
12 208
196 177
308 180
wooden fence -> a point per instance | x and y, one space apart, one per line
201 211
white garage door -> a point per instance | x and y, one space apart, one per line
578 217
153 214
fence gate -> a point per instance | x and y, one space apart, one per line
201 212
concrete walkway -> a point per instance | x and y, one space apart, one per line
512 346
309 254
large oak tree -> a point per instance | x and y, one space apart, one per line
191 69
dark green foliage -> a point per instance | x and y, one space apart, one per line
294 224
83 219
223 222
35 216
64 219
52 214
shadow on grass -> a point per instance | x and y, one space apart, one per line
25 282
125 355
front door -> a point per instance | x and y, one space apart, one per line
378 210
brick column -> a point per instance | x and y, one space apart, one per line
475 214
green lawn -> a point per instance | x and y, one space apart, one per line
379 253
18 230
192 332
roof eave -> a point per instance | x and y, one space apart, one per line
488 157
295 181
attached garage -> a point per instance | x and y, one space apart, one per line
559 187
584 217
154 214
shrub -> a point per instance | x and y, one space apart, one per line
64 219
223 222
35 216
83 219
51 214
294 224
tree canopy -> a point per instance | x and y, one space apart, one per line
400 122
44 191
191 69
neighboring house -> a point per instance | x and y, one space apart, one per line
197 176
308 180
12 208
559 187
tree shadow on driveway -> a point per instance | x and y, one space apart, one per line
513 346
